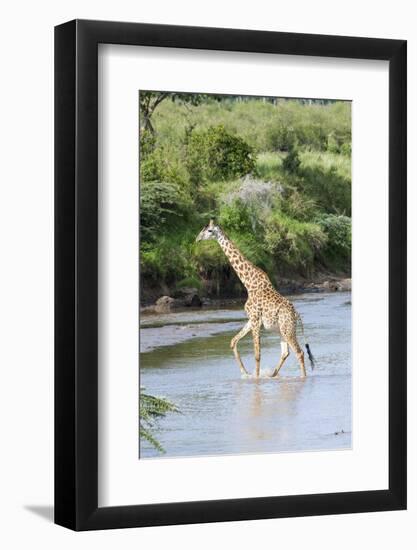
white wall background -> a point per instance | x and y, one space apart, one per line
26 287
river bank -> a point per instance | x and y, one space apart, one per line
165 300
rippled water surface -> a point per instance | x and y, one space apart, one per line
186 357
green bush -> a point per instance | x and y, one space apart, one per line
280 137
191 282
325 178
236 217
291 162
161 204
164 164
268 166
217 155
333 145
336 144
152 166
293 244
147 142
296 205
212 267
209 256
338 229
166 260
346 149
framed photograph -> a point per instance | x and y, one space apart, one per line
230 252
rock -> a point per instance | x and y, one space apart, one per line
147 309
341 285
187 297
346 284
330 285
193 300
164 304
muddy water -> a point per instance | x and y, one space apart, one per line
186 358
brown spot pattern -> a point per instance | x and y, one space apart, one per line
265 306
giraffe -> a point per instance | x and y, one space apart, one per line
264 306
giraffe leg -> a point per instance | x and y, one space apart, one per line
294 345
256 334
288 330
234 342
284 354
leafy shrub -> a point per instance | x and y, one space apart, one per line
236 216
293 244
152 166
166 260
336 144
215 154
280 137
160 163
326 181
346 149
269 166
163 164
161 205
298 206
212 267
338 229
147 142
151 409
332 144
244 209
191 282
209 256
291 162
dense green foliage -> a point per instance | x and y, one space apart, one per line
276 175
152 408
216 155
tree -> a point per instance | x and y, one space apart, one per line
149 101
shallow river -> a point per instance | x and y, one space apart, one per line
186 357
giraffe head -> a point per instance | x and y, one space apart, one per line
209 232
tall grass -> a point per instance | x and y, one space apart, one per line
257 122
327 161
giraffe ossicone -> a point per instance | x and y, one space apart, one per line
265 306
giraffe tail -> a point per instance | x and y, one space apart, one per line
310 355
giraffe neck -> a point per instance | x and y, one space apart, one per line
250 275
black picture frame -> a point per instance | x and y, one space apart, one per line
76 272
